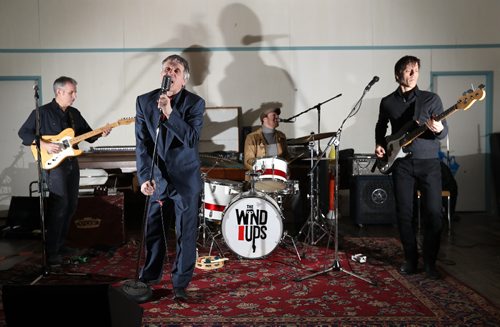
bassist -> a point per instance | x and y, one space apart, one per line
406 106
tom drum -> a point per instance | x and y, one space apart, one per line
218 193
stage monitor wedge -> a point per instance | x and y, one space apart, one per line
69 305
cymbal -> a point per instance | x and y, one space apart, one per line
309 138
216 159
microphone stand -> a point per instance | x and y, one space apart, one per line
135 289
41 191
318 107
313 179
335 140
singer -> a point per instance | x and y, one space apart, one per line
175 183
422 170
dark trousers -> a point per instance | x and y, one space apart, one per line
184 209
424 174
63 184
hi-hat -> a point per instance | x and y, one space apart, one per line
310 138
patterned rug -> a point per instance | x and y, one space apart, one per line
333 289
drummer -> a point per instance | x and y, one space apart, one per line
266 141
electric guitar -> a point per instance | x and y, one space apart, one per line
397 143
66 140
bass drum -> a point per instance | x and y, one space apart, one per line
253 225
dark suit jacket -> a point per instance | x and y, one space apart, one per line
178 139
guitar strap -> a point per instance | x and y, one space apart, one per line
71 119
418 109
72 122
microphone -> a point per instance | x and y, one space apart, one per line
165 83
251 39
281 120
373 81
35 88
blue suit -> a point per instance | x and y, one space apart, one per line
177 176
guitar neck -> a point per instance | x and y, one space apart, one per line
92 133
423 128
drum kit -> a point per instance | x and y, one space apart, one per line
250 222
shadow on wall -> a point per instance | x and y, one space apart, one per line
248 81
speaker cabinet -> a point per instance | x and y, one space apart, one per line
69 305
24 213
372 200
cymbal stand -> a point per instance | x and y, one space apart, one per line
335 140
313 222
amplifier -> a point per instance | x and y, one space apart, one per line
98 221
362 164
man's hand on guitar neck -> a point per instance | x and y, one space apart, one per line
106 132
434 126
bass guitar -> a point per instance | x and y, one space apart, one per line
67 140
397 143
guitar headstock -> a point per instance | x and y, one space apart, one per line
126 121
470 97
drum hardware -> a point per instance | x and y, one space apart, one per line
286 235
315 221
335 141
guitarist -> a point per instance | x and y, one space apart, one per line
63 180
421 169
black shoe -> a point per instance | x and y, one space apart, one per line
150 282
180 294
68 252
408 268
431 272
55 260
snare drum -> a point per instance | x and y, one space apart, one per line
252 226
273 174
218 193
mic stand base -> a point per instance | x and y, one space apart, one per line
137 291
336 266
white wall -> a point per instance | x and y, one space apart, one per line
249 54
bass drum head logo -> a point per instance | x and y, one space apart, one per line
252 226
